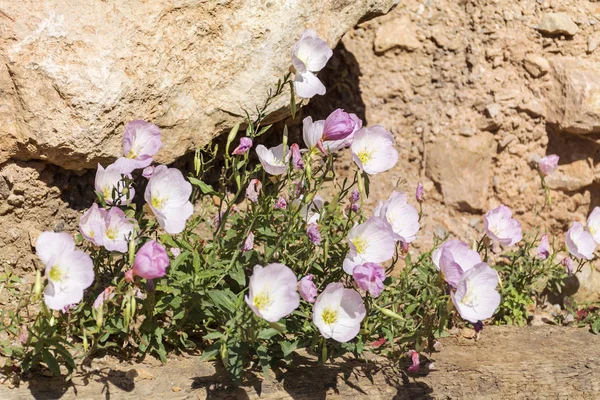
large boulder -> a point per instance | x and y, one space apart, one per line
73 73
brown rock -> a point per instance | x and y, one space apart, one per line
400 32
72 74
554 24
588 285
571 177
462 166
573 100
536 65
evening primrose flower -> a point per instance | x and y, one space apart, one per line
339 125
402 217
69 271
371 241
593 224
309 56
453 259
312 132
273 160
272 292
148 171
92 224
151 261
280 204
253 190
373 150
501 227
580 242
248 243
543 249
338 313
141 142
569 265
307 288
110 183
369 277
168 195
476 298
312 212
243 147
107 294
548 164
419 194
313 234
297 160
117 230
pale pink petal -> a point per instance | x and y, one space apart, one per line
50 246
307 85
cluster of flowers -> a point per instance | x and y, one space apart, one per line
167 194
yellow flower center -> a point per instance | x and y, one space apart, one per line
592 229
360 244
262 300
107 192
132 154
111 233
329 316
55 273
365 156
469 299
158 202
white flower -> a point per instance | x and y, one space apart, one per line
272 292
92 224
69 271
371 241
312 132
273 160
309 55
476 297
338 312
373 149
402 217
580 242
593 224
168 195
312 212
110 183
453 259
117 231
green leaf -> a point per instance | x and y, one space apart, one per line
223 299
51 362
204 187
288 347
292 101
267 333
212 336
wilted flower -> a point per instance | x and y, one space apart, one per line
453 259
107 294
168 195
92 224
141 142
354 196
248 243
338 312
297 160
151 261
148 171
373 150
312 132
548 164
23 334
419 193
580 242
117 231
243 147
309 55
402 217
175 251
476 297
339 125
129 276
69 271
369 277
273 160
272 292
543 249
501 227
307 288
280 204
109 182
567 262
414 357
371 241
593 224
313 234
253 190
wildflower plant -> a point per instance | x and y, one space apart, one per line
262 263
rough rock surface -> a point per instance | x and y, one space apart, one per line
72 73
558 24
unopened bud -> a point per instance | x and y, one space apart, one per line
37 287
100 317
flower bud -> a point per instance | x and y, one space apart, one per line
37 287
151 261
419 193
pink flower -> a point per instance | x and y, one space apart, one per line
401 216
339 125
129 275
580 242
253 190
248 243
501 227
543 250
168 195
373 150
369 277
69 271
335 145
117 231
307 288
175 251
593 224
109 182
567 262
338 312
354 196
280 204
476 298
371 241
414 356
151 261
309 56
92 224
141 142
313 234
148 171
106 295
548 164
272 292
453 259
243 147
297 157
419 193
